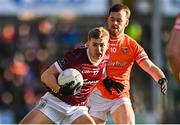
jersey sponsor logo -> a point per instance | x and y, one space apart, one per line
93 71
90 82
117 63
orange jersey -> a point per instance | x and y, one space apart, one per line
123 51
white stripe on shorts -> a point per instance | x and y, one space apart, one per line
57 66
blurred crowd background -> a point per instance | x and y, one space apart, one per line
35 33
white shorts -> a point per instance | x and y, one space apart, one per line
58 111
99 106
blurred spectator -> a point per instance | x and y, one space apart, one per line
173 49
7 117
26 49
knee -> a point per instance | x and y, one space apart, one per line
124 119
98 121
128 118
84 119
124 115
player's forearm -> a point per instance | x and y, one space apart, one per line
156 73
50 81
149 67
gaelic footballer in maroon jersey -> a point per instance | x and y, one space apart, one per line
62 105
79 59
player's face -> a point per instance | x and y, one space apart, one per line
97 48
117 21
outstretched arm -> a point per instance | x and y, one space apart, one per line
157 74
148 66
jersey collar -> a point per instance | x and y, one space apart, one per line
117 38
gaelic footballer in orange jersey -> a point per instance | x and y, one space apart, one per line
173 49
112 94
123 51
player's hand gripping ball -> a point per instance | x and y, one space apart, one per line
70 81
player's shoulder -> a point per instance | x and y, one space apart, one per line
132 42
129 41
129 38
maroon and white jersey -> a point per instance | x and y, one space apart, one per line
79 60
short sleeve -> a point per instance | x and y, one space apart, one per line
139 52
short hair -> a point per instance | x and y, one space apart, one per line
119 7
98 33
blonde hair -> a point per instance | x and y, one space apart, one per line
98 33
